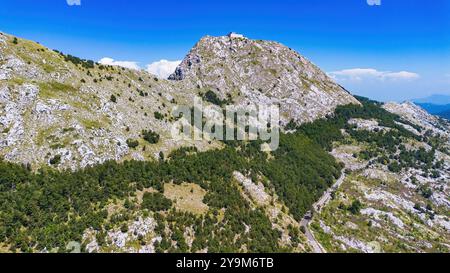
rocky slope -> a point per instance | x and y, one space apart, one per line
53 106
379 208
420 117
262 72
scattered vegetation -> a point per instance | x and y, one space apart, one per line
212 97
47 209
381 143
325 131
91 124
300 171
77 61
52 89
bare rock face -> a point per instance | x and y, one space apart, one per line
263 72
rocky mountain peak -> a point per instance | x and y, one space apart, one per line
262 72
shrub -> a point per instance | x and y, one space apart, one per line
55 160
211 97
132 143
124 228
425 191
394 167
302 229
159 116
150 136
161 156
417 207
113 99
355 207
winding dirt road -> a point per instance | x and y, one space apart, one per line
317 207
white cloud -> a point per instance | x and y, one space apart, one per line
162 68
73 2
359 74
126 64
374 2
402 75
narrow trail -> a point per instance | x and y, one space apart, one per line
317 207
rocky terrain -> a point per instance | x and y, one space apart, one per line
84 113
141 232
380 209
262 72
420 117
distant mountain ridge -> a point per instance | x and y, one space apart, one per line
436 109
437 99
445 114
438 105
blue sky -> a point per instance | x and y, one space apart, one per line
394 51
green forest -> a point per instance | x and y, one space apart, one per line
46 209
